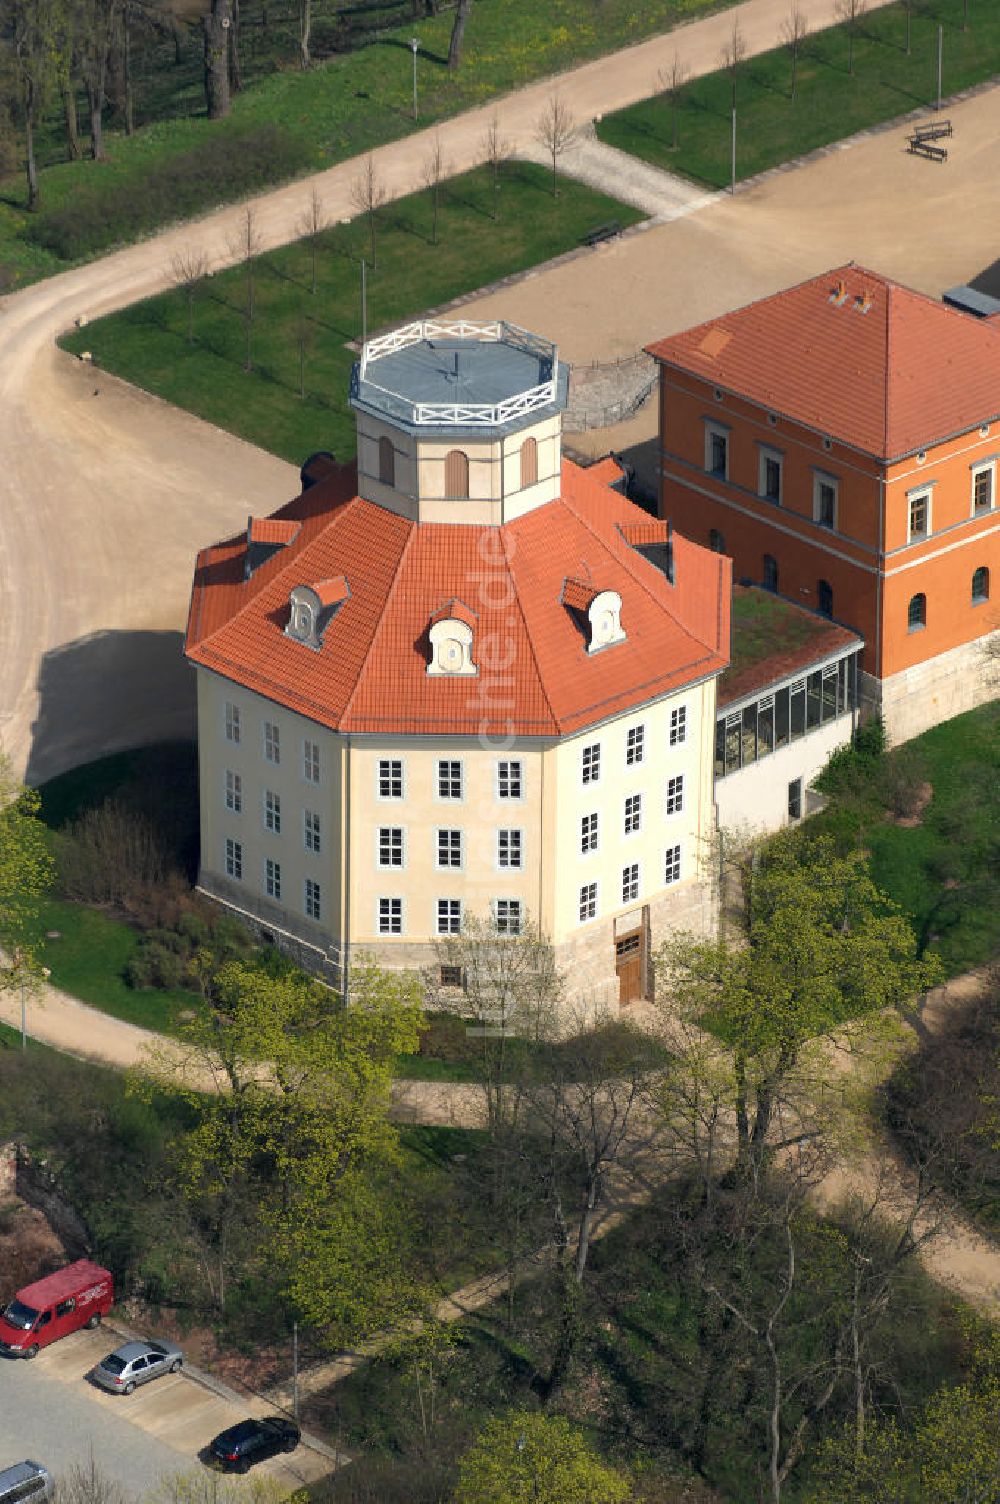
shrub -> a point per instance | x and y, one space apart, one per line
226 165
108 853
901 778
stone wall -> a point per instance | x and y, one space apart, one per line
8 1171
927 694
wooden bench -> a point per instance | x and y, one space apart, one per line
602 232
925 149
933 131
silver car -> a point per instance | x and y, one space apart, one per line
136 1363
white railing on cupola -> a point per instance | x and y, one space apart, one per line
463 414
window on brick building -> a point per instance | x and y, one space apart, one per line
980 585
916 612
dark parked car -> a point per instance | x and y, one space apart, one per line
136 1363
237 1449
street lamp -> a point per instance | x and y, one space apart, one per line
415 44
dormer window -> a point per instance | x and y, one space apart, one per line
599 611
265 536
313 607
451 639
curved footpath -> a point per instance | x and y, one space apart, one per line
106 494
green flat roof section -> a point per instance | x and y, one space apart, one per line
772 639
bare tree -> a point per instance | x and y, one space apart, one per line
246 247
305 31
217 22
733 56
496 151
794 31
311 227
368 195
99 24
305 339
555 130
462 10
434 171
189 269
233 60
851 13
669 82
908 13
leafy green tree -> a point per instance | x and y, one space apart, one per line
35 32
537 1459
26 873
821 946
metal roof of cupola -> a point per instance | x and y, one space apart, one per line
459 422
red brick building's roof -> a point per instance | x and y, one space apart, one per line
535 674
882 368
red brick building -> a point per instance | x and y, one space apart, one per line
839 441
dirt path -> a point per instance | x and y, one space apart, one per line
106 494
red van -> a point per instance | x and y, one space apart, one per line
76 1296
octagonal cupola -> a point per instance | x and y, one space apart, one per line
459 422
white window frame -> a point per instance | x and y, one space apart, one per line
590 902
448 845
635 745
272 878
714 429
673 868
918 494
678 725
675 795
517 777
272 743
233 791
632 815
233 859
821 478
449 762
767 452
310 761
390 763
390 831
590 763
631 883
511 859
312 900
590 833
514 909
394 912
312 831
982 468
449 928
272 812
232 723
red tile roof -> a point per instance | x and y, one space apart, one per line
577 593
882 368
535 674
332 592
270 530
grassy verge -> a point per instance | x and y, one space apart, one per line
831 102
147 344
329 113
88 960
940 862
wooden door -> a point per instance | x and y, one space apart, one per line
628 964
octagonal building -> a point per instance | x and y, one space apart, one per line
463 677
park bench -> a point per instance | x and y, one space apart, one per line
933 131
925 149
603 232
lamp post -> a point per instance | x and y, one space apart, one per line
415 44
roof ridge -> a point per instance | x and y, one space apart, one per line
381 627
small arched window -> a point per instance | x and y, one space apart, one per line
824 597
529 463
716 541
980 585
456 474
386 462
770 573
916 613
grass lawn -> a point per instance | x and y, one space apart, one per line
89 958
830 102
147 343
944 870
335 110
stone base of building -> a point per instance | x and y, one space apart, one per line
308 946
927 694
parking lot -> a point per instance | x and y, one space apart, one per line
51 1412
